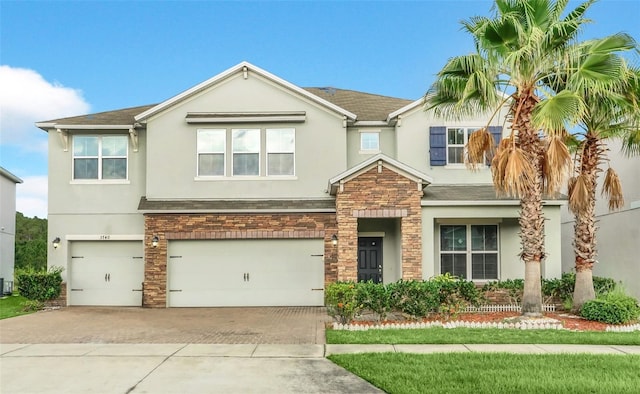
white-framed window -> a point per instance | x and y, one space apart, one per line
469 251
100 157
281 146
457 138
369 141
211 146
246 151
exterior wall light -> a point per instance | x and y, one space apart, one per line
334 240
56 242
154 241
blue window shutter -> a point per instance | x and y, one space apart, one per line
438 145
496 131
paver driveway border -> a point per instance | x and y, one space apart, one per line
255 325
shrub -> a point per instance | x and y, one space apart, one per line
416 298
375 297
615 307
341 301
39 285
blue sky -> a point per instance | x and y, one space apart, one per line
63 58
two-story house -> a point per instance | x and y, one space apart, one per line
247 190
8 183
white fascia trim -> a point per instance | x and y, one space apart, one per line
315 210
406 108
94 127
45 125
454 203
209 82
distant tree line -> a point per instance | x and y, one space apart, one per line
31 242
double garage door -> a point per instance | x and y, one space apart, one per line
245 272
106 273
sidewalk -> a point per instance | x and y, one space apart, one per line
212 368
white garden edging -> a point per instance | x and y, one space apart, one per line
624 328
543 324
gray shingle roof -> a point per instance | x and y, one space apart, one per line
366 105
236 205
469 193
118 117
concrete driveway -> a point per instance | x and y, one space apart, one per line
273 325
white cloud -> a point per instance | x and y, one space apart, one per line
31 196
25 98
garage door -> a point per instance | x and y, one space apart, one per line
106 273
246 273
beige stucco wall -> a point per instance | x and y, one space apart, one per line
320 144
387 144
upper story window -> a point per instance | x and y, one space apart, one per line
457 138
211 152
469 251
280 151
370 141
100 157
246 151
447 144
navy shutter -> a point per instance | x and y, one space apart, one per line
438 145
496 132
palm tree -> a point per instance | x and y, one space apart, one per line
518 51
608 115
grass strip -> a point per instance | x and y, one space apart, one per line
13 305
438 335
400 373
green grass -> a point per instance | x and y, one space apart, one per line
398 373
438 335
12 306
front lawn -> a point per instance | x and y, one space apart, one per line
495 372
13 305
439 335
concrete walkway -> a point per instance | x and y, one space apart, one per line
212 368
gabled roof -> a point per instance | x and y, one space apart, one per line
241 67
367 106
9 176
374 161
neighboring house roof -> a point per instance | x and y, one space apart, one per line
373 161
9 176
323 205
482 194
366 105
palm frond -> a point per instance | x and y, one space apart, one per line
553 114
480 145
612 189
579 196
556 165
512 171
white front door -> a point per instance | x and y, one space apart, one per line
281 272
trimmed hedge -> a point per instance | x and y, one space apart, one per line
614 308
39 285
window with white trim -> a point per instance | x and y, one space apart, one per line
100 157
457 138
212 144
246 151
280 151
469 251
370 141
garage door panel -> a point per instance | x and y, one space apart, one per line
246 273
106 273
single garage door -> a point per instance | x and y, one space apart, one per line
246 273
106 273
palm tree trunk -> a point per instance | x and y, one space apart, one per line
584 243
531 217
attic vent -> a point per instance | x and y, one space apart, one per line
329 91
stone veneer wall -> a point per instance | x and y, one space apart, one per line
384 194
228 226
